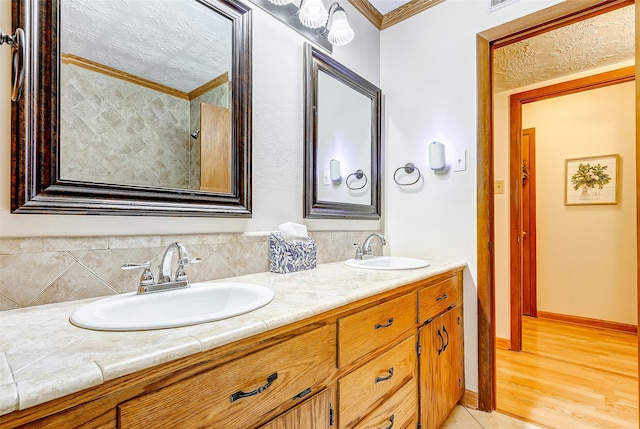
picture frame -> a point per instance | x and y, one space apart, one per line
591 180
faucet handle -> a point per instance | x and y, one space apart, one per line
359 254
147 276
181 274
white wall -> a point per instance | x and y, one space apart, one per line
501 202
595 244
428 73
278 141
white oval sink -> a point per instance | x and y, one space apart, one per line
202 302
387 263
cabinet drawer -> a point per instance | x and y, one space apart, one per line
397 412
219 398
436 298
362 332
370 383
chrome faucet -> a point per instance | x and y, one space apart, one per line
164 274
165 282
365 250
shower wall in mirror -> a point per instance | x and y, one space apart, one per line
136 101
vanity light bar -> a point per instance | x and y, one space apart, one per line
324 28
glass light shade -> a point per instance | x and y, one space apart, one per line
340 32
281 2
312 13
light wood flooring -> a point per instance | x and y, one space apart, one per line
570 376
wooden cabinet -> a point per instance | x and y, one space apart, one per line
370 394
241 393
441 367
365 331
375 381
316 413
393 360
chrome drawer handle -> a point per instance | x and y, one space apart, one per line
240 394
391 419
386 377
386 325
443 297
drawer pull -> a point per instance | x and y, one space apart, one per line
386 325
302 394
441 297
447 343
240 394
441 349
391 419
386 377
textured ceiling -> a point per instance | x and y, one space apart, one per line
386 6
605 39
178 43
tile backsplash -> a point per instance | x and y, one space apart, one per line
36 271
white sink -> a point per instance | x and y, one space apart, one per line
387 263
202 302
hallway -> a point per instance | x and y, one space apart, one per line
570 376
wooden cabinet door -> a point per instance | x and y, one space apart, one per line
441 367
316 413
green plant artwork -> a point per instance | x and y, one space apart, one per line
591 178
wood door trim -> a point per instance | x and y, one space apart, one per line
532 232
559 14
516 101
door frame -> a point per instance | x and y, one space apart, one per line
539 22
613 77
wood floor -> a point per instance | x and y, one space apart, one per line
570 376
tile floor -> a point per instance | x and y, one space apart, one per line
465 418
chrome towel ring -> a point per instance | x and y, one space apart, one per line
17 43
358 175
409 168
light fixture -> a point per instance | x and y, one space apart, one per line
327 28
312 13
340 32
437 160
334 172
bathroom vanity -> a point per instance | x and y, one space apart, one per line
363 349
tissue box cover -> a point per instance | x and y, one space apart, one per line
290 256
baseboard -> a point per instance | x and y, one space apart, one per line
503 343
585 321
470 399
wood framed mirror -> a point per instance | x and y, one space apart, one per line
342 141
134 108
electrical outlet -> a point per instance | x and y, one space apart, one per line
460 161
498 187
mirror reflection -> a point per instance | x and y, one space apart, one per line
145 94
342 141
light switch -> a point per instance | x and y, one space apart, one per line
460 161
498 187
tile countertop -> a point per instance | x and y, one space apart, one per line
44 357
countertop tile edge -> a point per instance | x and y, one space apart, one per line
39 390
123 363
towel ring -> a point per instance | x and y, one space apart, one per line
359 174
409 168
18 46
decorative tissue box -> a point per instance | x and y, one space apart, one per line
290 256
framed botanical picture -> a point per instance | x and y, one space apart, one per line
591 180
